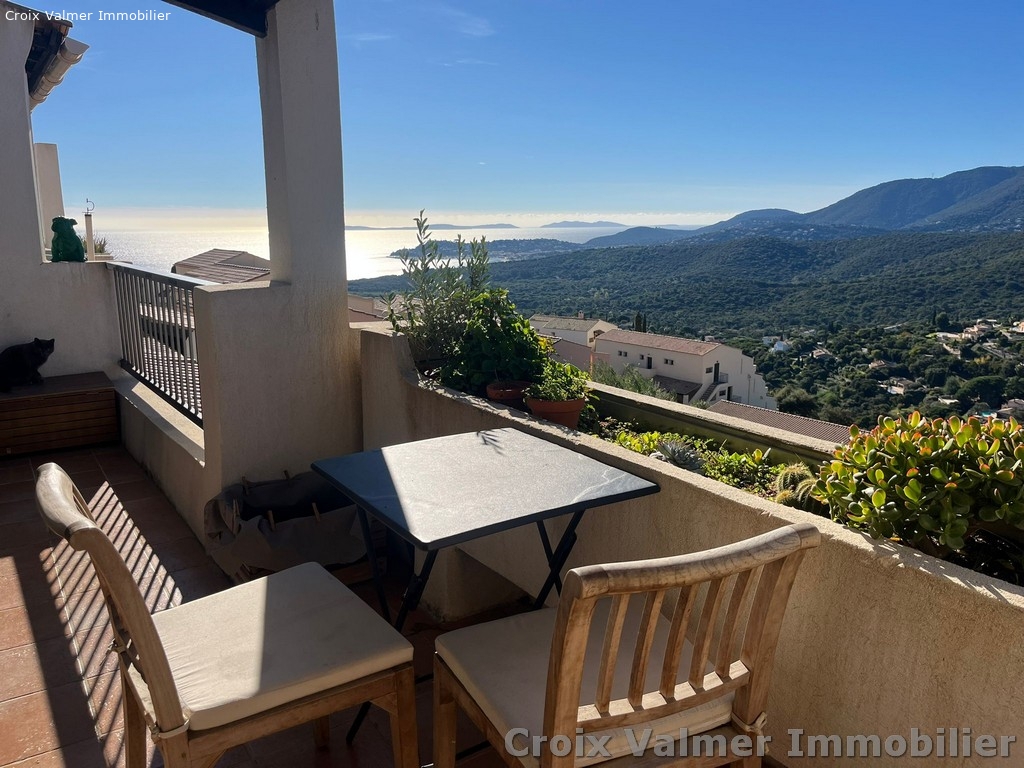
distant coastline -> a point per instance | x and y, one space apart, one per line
358 228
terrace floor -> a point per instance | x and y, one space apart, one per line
59 687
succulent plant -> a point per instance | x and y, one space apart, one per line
794 486
682 454
929 483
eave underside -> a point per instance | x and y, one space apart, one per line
246 15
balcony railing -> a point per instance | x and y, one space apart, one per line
158 334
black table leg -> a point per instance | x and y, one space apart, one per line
410 600
548 553
364 523
558 558
413 593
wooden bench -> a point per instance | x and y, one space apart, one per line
63 412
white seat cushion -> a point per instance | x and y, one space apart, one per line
503 665
271 641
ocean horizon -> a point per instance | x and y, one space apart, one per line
368 251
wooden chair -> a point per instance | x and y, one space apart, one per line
243 663
607 669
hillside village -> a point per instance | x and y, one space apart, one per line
855 375
694 371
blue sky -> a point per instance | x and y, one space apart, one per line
529 111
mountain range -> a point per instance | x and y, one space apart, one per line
988 199
903 250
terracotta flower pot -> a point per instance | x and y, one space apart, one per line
564 412
508 393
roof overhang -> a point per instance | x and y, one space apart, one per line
247 15
51 55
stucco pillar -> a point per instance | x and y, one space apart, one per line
299 94
20 244
278 363
51 197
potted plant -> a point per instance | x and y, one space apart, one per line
433 311
499 351
560 395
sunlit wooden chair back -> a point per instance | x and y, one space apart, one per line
668 647
67 514
300 646
725 605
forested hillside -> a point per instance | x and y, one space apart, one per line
766 285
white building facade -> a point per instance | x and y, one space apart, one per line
578 330
694 370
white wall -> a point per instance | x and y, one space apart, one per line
51 197
686 367
747 385
279 380
878 638
19 214
72 303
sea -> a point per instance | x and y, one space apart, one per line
368 252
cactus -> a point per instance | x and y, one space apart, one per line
794 486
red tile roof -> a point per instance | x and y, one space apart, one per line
657 341
788 422
223 266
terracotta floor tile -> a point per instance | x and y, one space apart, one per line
17 491
24 533
104 692
84 754
19 626
193 583
180 554
25 558
26 587
73 460
131 490
84 610
92 650
18 511
32 668
16 471
119 467
87 480
40 722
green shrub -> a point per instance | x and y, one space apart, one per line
497 344
630 379
645 442
99 244
929 483
559 381
750 471
434 310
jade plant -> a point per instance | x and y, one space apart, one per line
932 484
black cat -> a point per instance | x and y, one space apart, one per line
20 364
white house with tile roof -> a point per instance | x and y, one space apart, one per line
578 330
694 370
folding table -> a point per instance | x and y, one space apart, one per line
449 490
